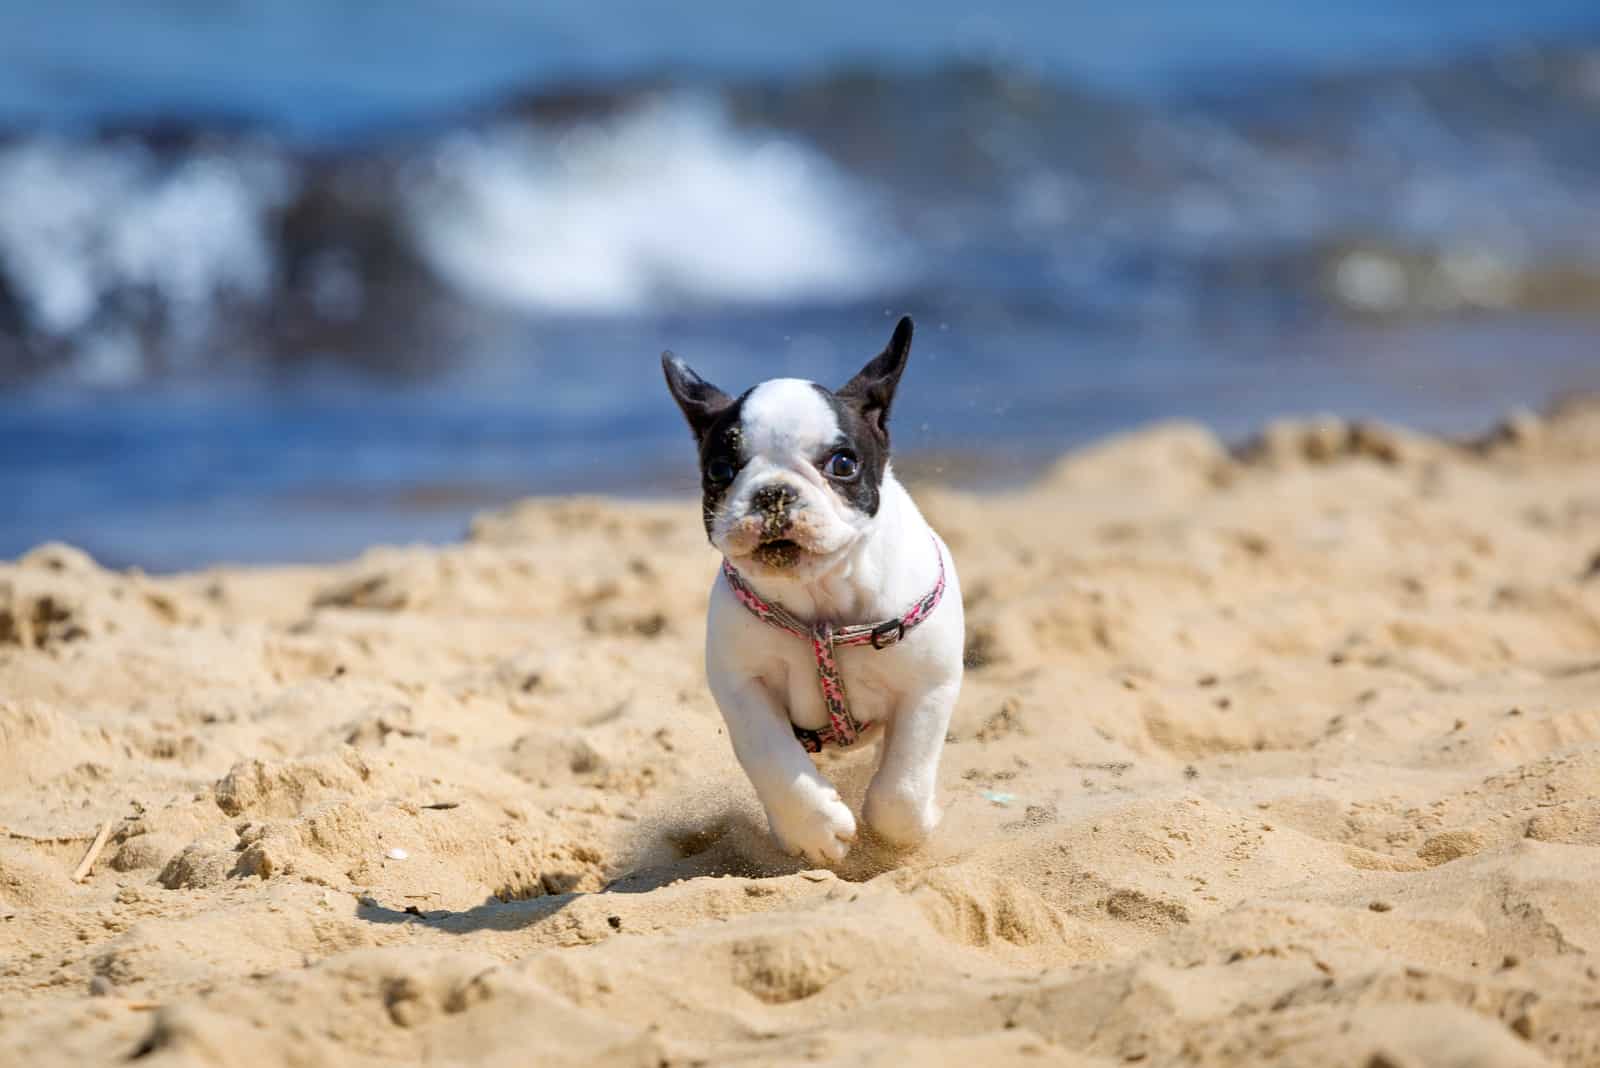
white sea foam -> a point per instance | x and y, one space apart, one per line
79 222
669 202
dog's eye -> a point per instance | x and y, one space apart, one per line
719 471
842 465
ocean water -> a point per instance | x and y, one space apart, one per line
278 281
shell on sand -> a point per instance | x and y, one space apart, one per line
1297 753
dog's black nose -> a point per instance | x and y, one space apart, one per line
776 498
772 505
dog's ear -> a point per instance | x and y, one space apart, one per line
871 391
700 400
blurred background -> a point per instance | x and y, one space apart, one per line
278 280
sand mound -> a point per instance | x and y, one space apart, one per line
1286 754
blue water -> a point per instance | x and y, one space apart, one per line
280 281
171 475
323 67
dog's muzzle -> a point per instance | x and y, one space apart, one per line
773 507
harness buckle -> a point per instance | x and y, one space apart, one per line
887 634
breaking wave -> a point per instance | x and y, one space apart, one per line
95 238
1440 189
124 256
663 204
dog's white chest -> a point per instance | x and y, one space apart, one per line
868 675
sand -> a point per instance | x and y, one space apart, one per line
1287 754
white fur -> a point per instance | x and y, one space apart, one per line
863 569
784 414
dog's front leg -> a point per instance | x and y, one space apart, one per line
803 808
901 806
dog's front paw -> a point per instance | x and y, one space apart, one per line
903 818
820 829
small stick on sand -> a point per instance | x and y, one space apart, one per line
86 865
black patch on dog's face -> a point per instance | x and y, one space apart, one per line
715 419
722 442
860 439
862 408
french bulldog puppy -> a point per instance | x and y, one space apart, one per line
837 613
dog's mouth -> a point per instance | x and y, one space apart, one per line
779 553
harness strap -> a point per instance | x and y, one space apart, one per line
843 729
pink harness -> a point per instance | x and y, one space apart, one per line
842 729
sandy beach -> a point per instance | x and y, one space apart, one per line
1283 754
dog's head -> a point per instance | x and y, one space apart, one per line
790 470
